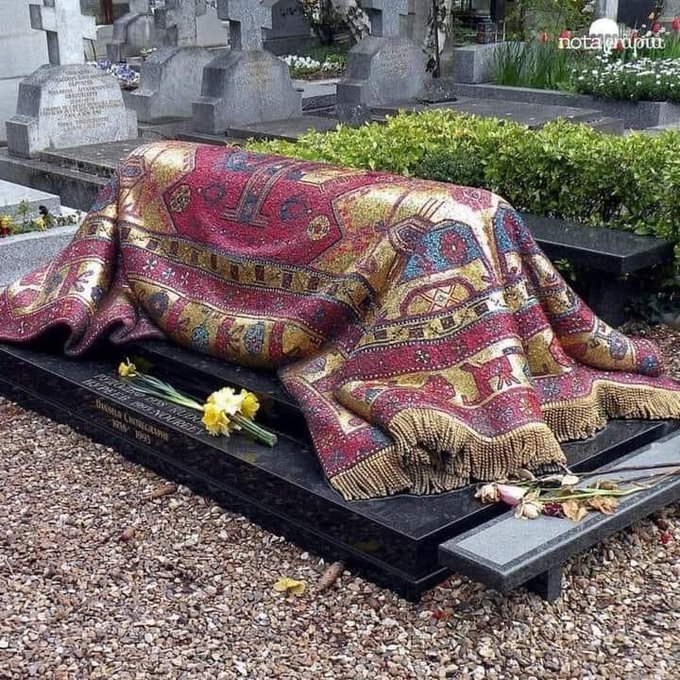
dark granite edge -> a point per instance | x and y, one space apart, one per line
650 250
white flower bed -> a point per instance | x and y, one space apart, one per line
311 65
641 79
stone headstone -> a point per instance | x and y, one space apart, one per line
671 10
383 68
62 106
385 16
246 19
247 84
290 30
170 81
136 31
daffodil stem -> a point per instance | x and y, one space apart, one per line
259 433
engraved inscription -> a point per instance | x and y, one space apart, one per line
77 100
156 409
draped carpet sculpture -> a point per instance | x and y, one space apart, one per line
427 339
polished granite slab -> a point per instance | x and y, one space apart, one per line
393 541
603 250
505 553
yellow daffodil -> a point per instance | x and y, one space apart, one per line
249 405
39 222
289 585
127 369
227 400
215 420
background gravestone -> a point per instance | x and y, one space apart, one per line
136 31
290 31
170 81
66 102
247 84
383 68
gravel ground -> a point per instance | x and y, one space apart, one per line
99 579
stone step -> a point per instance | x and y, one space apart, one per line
609 125
637 115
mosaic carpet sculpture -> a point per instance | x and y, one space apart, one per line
426 337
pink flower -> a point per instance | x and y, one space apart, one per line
565 35
510 495
656 27
544 37
675 25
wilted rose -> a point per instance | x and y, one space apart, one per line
488 493
529 510
510 495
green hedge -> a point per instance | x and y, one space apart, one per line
562 170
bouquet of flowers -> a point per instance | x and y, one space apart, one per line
224 411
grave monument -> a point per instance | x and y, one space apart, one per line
290 30
139 30
383 68
66 102
170 81
178 17
247 84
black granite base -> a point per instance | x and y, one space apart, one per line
392 541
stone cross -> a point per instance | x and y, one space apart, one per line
246 18
182 15
65 27
384 16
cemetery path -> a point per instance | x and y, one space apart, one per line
100 579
